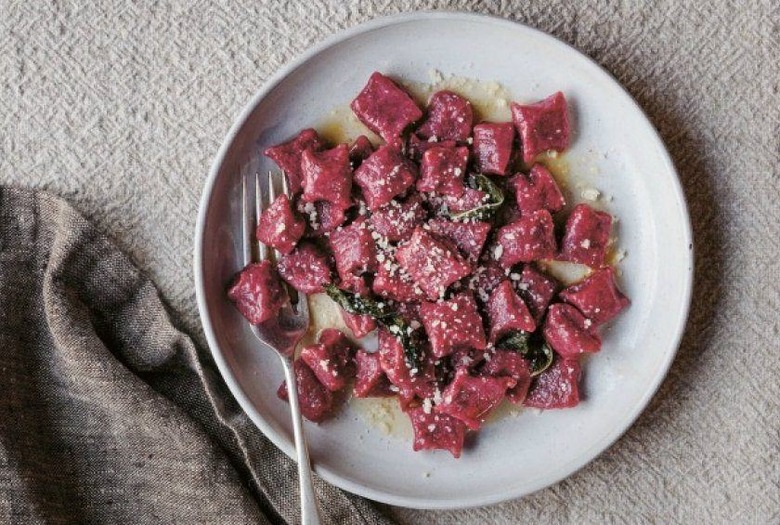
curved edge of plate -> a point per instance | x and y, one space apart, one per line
243 400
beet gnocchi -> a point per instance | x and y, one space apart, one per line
437 239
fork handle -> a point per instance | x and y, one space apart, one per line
310 512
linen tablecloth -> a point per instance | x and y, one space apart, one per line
119 108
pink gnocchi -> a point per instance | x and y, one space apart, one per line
436 237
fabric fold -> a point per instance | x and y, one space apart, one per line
108 413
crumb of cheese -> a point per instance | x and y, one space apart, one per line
590 194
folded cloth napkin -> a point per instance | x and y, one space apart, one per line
109 414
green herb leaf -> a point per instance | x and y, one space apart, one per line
409 338
541 359
516 340
381 312
358 304
535 350
488 209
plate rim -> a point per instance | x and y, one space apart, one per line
246 405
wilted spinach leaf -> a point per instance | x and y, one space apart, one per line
485 211
384 315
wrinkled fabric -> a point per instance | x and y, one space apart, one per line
110 414
120 107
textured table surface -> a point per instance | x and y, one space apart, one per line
120 109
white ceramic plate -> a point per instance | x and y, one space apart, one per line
616 150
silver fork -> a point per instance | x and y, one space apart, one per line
282 335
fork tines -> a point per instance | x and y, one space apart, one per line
253 204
